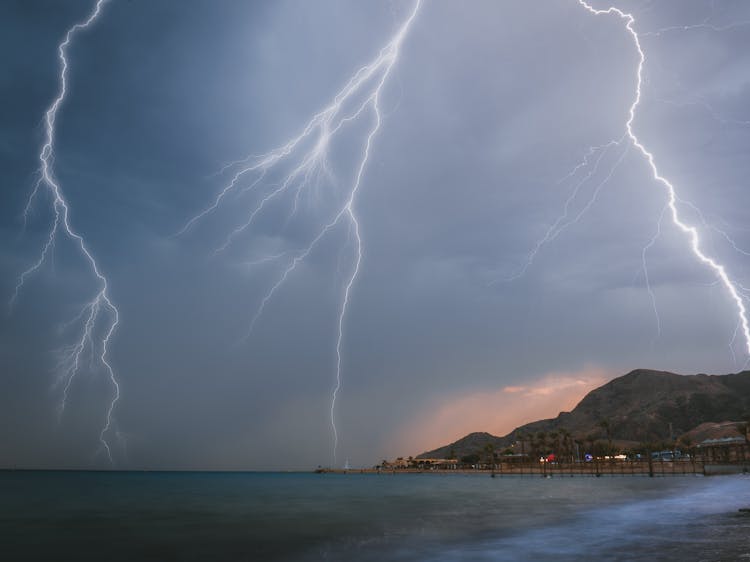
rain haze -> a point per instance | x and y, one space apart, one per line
486 115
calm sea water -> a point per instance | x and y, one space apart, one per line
251 516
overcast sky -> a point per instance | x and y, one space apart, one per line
490 107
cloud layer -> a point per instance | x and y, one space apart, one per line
490 106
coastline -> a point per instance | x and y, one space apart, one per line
655 469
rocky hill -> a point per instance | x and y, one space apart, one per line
642 406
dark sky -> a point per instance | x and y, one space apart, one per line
489 106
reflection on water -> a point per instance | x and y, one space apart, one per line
252 516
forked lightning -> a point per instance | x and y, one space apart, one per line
307 153
99 315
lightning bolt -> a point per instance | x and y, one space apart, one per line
646 277
307 153
689 230
703 25
564 220
99 315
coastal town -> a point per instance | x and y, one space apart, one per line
724 449
725 455
643 422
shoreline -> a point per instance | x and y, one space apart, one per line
656 469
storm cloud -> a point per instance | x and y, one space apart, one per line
490 105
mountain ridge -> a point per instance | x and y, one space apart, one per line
641 406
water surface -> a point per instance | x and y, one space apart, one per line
278 516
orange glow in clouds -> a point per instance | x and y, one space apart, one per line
498 412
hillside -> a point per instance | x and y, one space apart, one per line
639 407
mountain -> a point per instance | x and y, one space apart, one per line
639 407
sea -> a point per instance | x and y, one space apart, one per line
228 516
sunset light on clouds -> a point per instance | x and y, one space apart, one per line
498 411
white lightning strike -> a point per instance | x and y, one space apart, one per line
99 315
564 221
723 233
690 231
703 25
651 294
310 149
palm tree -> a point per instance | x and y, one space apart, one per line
522 437
591 440
542 450
532 445
687 442
579 444
566 444
542 442
489 450
554 437
604 424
